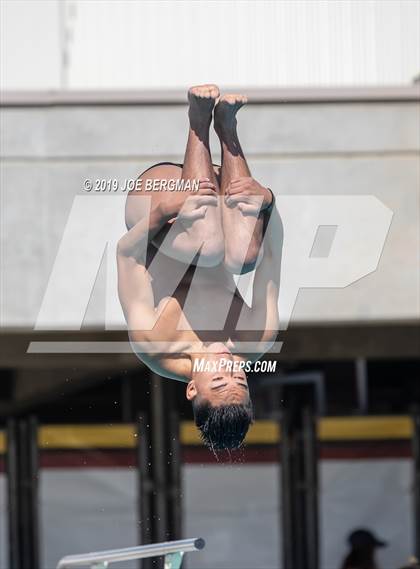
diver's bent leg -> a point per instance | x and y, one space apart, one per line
243 234
208 231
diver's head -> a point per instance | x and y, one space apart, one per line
218 390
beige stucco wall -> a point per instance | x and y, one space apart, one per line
313 148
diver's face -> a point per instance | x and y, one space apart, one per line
218 377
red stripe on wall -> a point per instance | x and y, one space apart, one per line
125 458
88 459
254 454
366 450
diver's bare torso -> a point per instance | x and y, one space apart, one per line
205 298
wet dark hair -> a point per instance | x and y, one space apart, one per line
222 427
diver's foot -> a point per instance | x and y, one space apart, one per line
202 99
225 114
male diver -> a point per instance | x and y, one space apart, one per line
185 315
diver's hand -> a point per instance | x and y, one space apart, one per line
190 205
248 195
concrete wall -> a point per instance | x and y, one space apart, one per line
313 148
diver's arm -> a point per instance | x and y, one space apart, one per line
135 292
134 289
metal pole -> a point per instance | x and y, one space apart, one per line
13 494
362 385
22 480
159 458
311 485
145 483
299 479
160 509
416 476
174 473
286 494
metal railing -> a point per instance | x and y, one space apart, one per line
173 551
